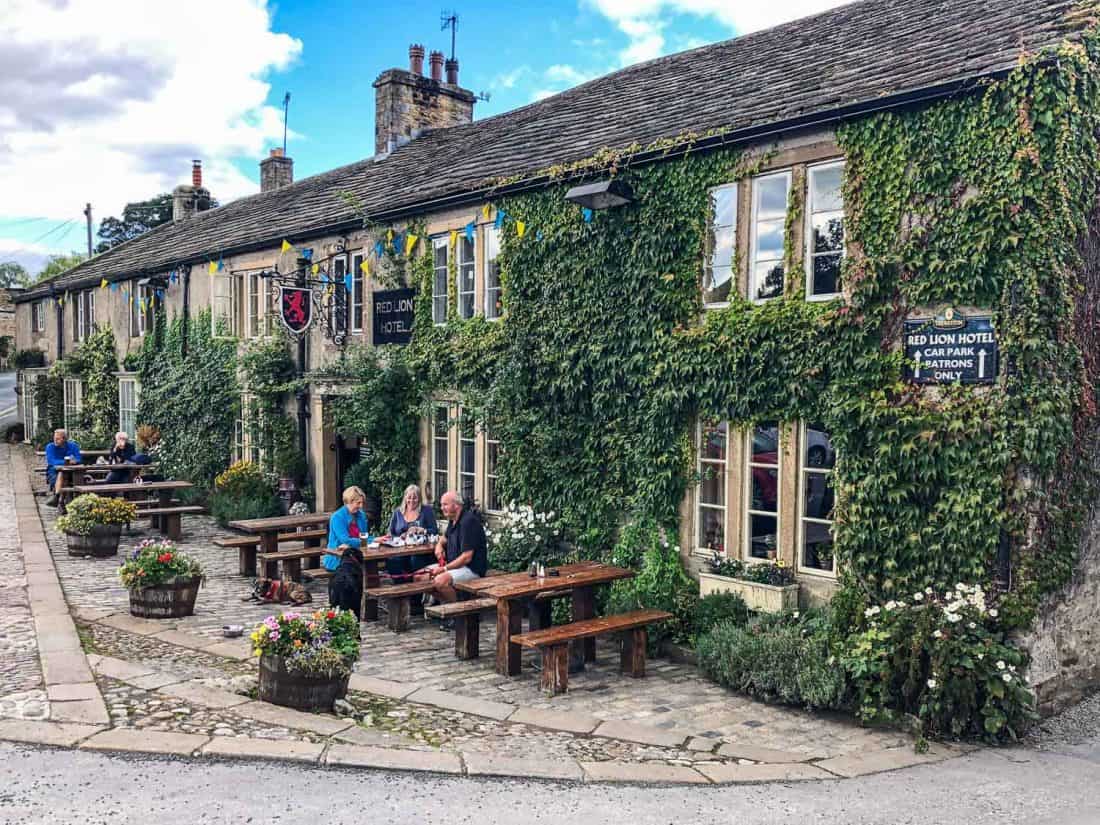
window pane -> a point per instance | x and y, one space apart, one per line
712 442
765 489
769 280
718 284
466 452
769 240
440 483
712 534
722 246
817 547
441 428
440 459
467 490
818 496
491 495
763 536
825 189
765 444
828 232
439 309
441 256
712 487
492 454
826 275
724 205
771 197
819 448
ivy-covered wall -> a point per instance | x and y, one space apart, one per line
605 357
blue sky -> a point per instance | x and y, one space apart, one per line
109 100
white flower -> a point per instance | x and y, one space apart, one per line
981 656
872 611
1007 677
890 605
928 591
795 614
932 684
954 617
971 625
918 596
993 613
938 634
1000 665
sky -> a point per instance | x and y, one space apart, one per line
108 101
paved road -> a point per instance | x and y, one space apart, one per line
987 788
7 400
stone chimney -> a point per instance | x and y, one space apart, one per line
276 171
189 200
406 103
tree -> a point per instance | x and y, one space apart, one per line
13 274
137 219
58 264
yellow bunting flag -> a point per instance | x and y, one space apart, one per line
287 246
485 211
389 235
410 242
521 227
103 283
212 268
315 268
454 236
365 267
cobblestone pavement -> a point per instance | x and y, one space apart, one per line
23 694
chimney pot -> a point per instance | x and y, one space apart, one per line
277 152
196 173
436 61
416 59
452 72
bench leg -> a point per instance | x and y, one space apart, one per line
509 624
555 669
540 614
397 614
313 562
584 607
170 525
292 569
467 636
248 561
369 607
632 656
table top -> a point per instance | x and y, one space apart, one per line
519 585
269 525
133 488
386 552
72 468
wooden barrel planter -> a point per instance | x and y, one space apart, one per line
298 690
101 542
165 601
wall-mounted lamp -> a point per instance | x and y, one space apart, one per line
604 194
156 282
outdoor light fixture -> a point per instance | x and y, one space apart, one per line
604 194
157 282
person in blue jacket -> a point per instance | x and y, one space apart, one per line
59 452
347 526
410 515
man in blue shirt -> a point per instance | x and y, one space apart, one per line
59 452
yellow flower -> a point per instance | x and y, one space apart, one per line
781 563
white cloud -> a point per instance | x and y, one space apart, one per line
108 100
508 80
32 257
644 21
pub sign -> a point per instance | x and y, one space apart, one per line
393 312
951 349
296 308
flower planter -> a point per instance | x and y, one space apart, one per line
298 690
764 598
170 600
102 542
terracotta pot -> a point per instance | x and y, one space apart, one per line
298 690
101 542
165 601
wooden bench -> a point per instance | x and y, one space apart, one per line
287 564
553 642
396 600
168 518
248 546
467 618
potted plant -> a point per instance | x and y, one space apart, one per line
93 524
767 587
306 658
162 581
291 467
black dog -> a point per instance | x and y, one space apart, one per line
345 588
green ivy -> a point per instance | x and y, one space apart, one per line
95 362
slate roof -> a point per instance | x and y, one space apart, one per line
858 55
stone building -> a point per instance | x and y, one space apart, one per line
780 96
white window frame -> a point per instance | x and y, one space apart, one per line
38 316
492 480
466 476
711 227
747 510
700 463
753 236
254 315
444 242
30 408
471 266
223 292
128 380
492 294
80 317
436 439
809 231
803 470
358 291
72 402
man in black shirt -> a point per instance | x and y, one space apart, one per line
462 553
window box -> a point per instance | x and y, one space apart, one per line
764 598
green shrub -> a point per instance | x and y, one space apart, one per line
225 507
519 536
88 511
777 660
719 608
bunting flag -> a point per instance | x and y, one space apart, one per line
499 222
114 287
103 283
365 267
160 294
389 234
538 235
141 304
307 254
454 236
286 246
324 276
396 240
347 282
485 211
379 248
521 228
410 243
212 267
315 268
587 214
173 276
470 231
221 263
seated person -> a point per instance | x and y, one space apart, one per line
411 519
122 452
59 452
462 554
347 527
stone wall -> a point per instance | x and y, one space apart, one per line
406 103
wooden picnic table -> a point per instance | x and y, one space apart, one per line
268 529
511 590
92 453
162 489
372 559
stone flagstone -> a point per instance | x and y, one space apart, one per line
130 740
288 717
357 756
491 764
720 773
45 733
645 773
231 746
204 695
